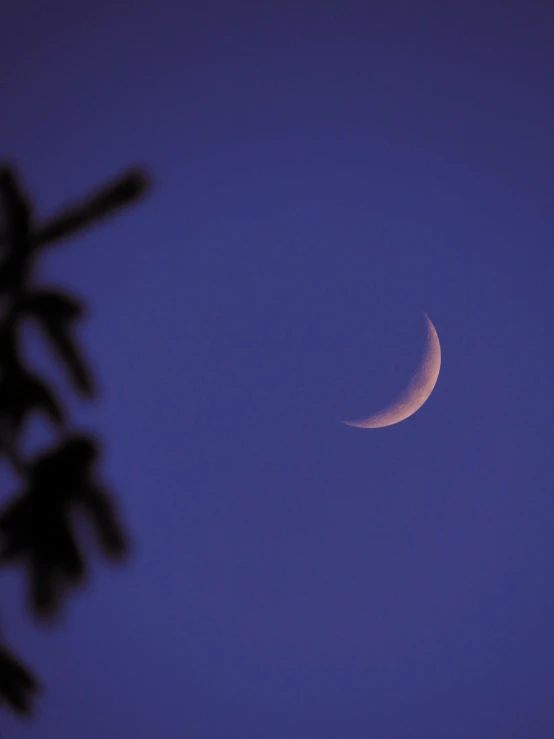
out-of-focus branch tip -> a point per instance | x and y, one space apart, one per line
18 686
120 192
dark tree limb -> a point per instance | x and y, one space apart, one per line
38 526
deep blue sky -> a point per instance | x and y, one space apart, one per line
323 173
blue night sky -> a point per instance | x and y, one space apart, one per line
323 173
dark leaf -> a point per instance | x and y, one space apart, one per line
21 393
56 563
67 466
102 516
37 532
38 529
51 305
63 345
18 686
54 311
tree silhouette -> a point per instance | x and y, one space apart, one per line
37 527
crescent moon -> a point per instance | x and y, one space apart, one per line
420 388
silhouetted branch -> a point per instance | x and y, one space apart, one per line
38 528
123 191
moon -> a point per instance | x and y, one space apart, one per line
420 388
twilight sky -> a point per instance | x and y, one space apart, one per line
324 172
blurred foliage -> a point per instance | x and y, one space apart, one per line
38 530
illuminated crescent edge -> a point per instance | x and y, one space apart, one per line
420 388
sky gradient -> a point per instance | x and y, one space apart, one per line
323 173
